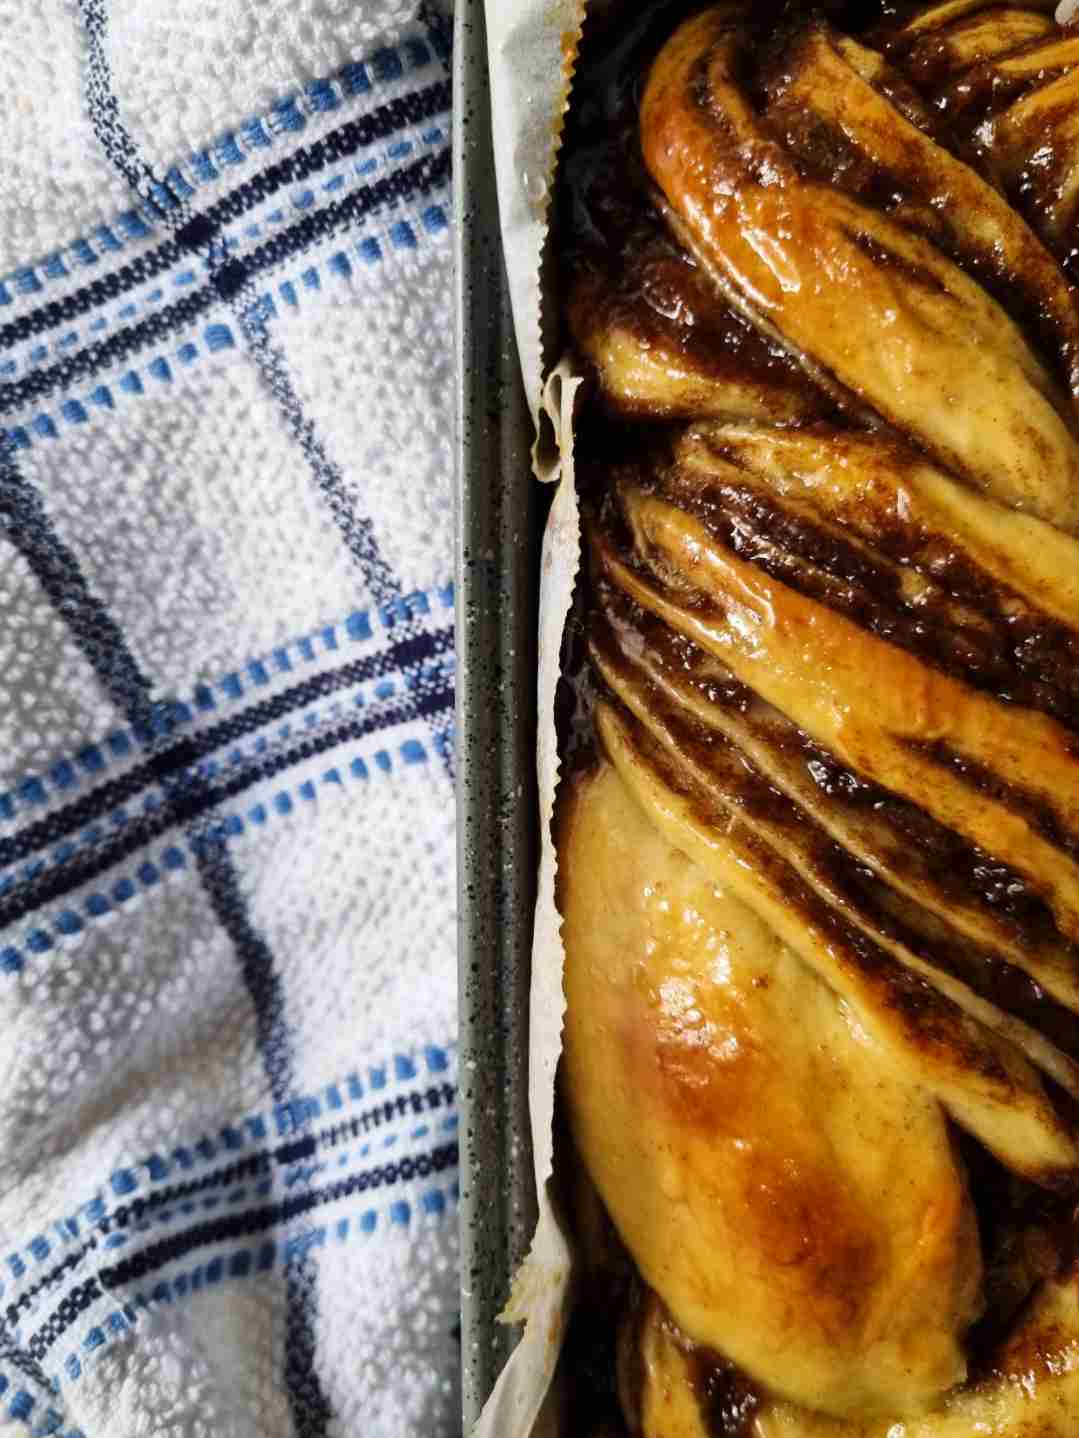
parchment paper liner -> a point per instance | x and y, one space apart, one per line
532 46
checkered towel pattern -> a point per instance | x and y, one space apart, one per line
228 1157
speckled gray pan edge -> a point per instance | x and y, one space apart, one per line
498 531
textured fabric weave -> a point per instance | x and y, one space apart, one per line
228 1158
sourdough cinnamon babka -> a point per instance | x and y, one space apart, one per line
819 835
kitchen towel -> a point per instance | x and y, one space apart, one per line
228 1157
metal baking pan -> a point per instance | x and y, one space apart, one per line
497 573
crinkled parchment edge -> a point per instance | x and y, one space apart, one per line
532 46
541 1290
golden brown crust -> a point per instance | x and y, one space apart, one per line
873 303
723 1136
820 883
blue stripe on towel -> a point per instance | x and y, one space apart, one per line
258 1259
222 831
271 1217
84 365
172 756
344 142
160 1187
30 790
190 796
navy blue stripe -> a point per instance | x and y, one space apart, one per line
412 1102
230 1228
25 523
257 1164
11 1354
100 801
85 363
256 964
104 109
190 797
250 1221
439 31
308 1403
357 530
418 178
305 161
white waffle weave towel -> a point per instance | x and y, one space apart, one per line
228 1158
